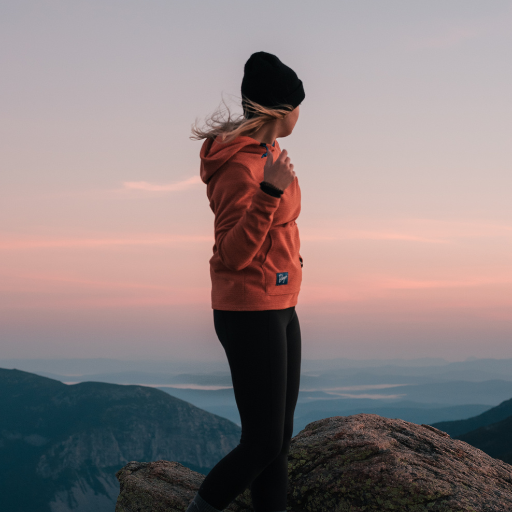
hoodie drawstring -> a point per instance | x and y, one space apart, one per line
266 147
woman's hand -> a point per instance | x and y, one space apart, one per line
279 173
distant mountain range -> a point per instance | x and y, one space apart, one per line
429 403
495 439
60 445
408 411
490 431
410 371
63 443
493 415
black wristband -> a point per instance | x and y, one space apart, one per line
271 190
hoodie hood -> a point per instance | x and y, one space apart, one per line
216 154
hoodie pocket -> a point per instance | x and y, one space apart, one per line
282 266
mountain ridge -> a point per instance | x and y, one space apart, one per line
68 440
494 439
493 415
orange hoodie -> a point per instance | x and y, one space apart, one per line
256 263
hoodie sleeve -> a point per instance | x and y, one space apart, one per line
243 215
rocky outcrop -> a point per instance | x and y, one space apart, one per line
160 486
354 463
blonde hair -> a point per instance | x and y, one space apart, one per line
229 128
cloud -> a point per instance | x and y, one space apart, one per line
362 395
488 290
369 235
424 231
169 187
428 231
37 243
397 283
31 290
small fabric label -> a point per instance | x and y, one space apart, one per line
281 278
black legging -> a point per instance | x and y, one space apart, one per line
264 354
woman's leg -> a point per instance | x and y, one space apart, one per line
269 489
256 345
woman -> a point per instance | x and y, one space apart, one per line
256 273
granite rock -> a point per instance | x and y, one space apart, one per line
354 463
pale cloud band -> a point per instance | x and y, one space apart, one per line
428 231
39 243
169 187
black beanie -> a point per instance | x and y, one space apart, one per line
270 83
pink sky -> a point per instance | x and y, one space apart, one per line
402 151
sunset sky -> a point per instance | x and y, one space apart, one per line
403 151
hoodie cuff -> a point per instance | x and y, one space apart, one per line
271 190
